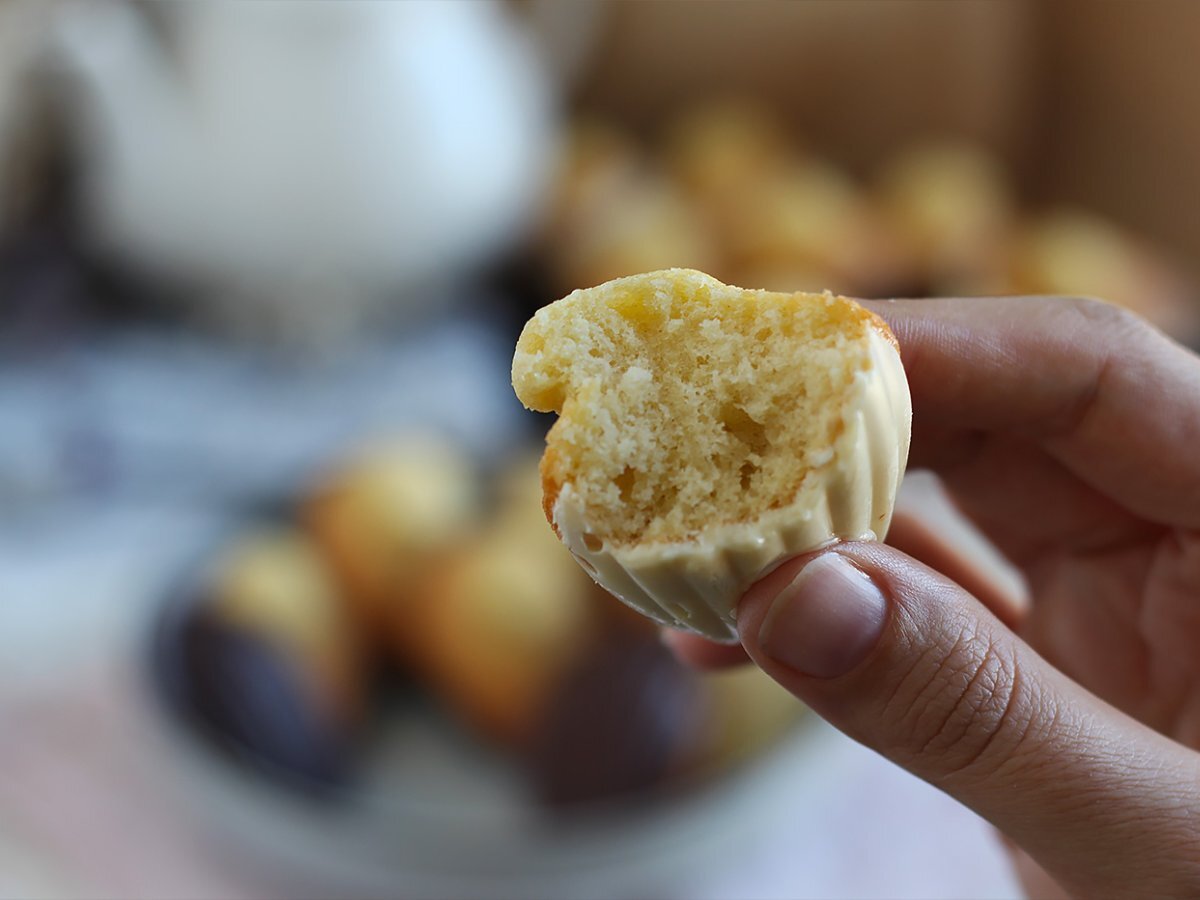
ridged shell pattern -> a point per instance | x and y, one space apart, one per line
695 585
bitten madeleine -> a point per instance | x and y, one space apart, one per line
707 432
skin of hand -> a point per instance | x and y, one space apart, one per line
1069 432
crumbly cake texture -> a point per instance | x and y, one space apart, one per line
707 432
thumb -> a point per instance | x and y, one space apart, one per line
907 662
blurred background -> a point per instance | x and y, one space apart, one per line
279 612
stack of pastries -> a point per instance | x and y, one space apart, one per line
724 189
408 566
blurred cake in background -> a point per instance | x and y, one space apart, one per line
625 719
719 151
782 216
648 225
725 190
746 712
386 517
1073 252
598 166
811 218
502 618
275 584
951 209
272 660
417 578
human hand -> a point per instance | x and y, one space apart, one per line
1069 432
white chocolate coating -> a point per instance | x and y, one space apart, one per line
695 585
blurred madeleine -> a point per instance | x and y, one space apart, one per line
273 585
810 217
598 165
621 724
386 518
785 220
951 208
270 660
1075 253
499 621
747 712
649 225
720 150
787 277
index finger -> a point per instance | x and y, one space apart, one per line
1117 402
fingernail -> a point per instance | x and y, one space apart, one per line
826 620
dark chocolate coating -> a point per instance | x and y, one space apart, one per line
617 725
254 701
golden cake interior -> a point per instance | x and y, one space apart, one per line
686 403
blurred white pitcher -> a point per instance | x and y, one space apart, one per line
307 162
